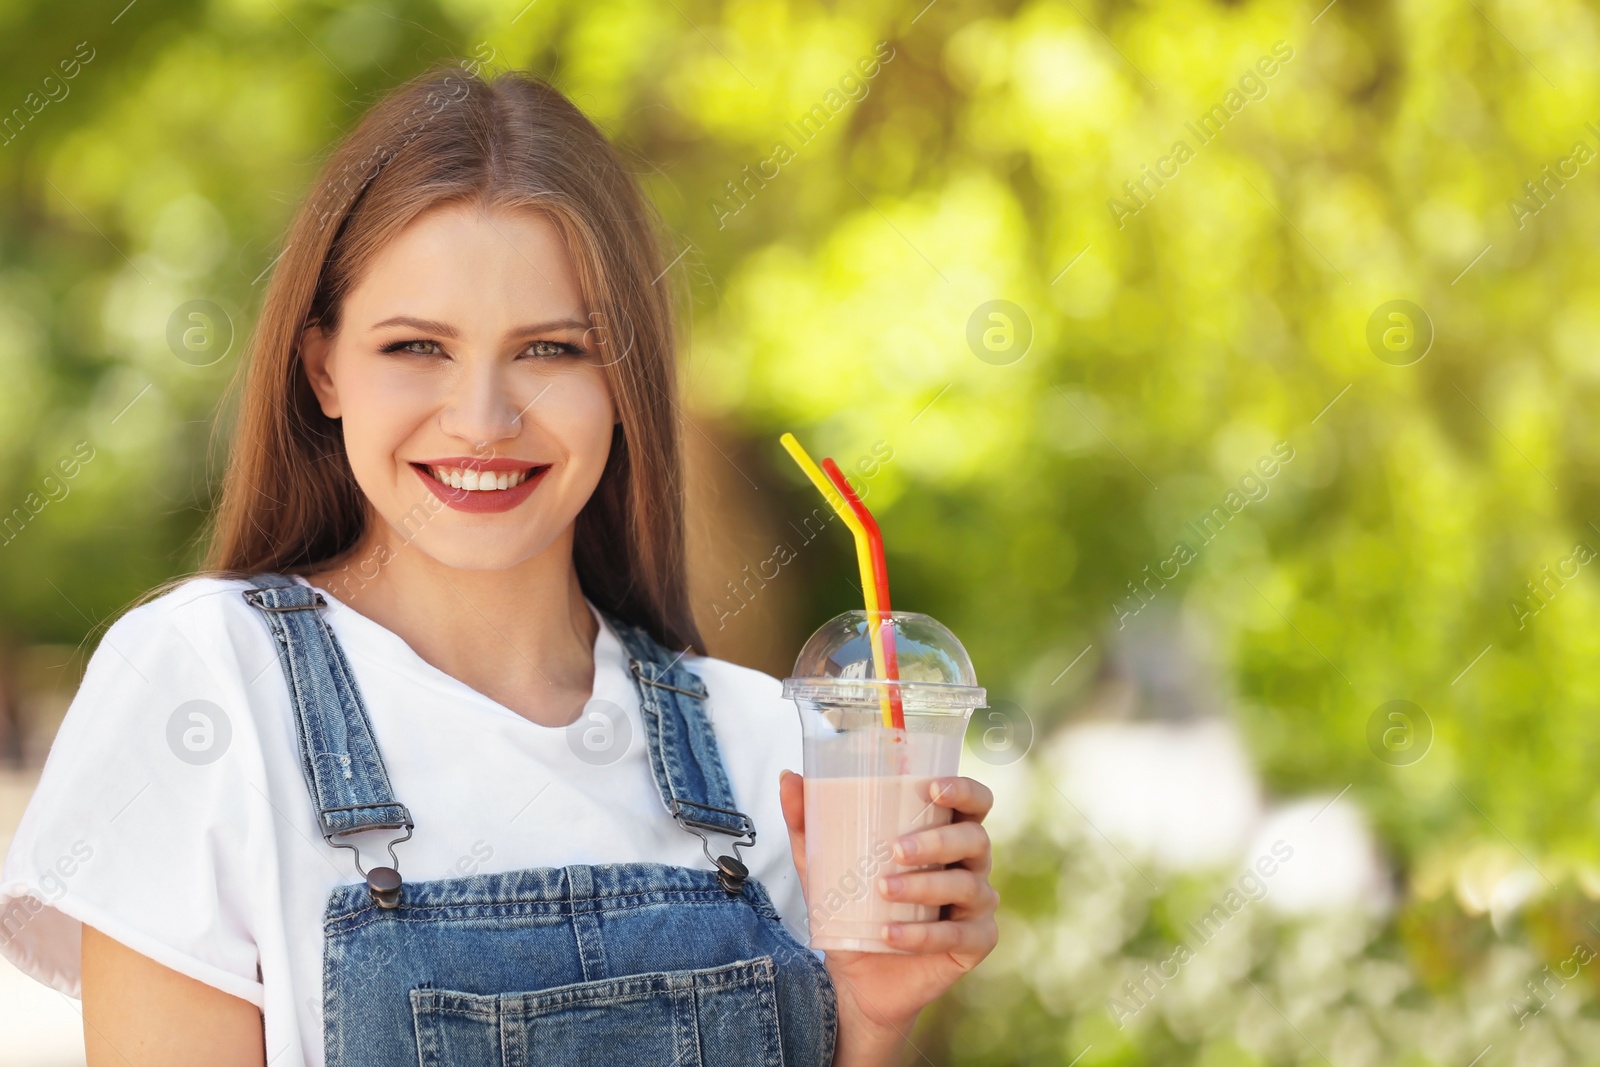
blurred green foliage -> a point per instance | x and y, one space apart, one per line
1176 338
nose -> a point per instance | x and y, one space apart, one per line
480 409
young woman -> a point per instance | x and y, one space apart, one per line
428 767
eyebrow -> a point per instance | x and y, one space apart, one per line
444 329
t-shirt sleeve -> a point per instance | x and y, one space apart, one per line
141 823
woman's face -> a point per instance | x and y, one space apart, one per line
464 361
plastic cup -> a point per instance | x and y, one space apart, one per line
867 784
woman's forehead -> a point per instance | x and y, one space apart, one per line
490 272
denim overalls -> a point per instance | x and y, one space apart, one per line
639 964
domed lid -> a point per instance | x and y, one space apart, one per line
836 664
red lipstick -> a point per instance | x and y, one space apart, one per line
480 501
494 463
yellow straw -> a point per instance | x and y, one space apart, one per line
869 587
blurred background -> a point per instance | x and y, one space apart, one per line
1226 364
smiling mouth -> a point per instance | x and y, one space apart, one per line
479 480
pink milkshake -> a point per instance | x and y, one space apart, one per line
851 827
867 783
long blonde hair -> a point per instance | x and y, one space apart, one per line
289 501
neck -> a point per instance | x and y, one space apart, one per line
517 630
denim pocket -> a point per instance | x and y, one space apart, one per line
714 1017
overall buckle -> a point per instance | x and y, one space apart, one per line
383 883
254 596
731 871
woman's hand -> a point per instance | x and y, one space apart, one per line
880 994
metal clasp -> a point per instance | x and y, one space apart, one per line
731 871
316 602
633 665
383 883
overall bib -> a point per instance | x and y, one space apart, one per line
635 964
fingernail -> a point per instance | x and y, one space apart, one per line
891 932
907 848
891 885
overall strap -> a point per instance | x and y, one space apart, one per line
683 749
342 766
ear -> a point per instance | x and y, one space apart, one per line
316 352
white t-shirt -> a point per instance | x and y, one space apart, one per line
194 840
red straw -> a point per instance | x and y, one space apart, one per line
880 579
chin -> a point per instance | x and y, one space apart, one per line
476 550
464 541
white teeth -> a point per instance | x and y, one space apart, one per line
458 478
